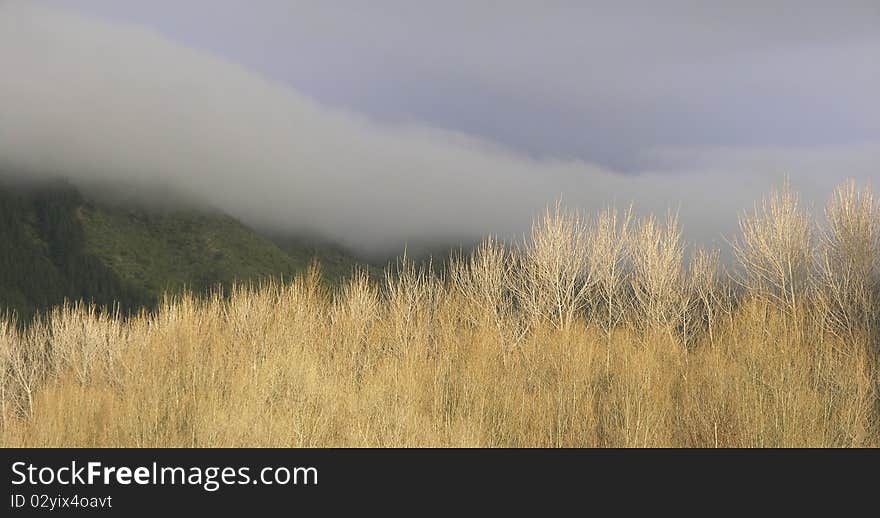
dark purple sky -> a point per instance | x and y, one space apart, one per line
605 82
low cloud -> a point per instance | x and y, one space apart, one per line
105 103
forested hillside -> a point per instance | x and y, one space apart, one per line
43 258
56 245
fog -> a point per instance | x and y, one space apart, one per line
106 103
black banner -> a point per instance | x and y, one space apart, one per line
125 482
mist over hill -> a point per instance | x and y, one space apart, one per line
109 104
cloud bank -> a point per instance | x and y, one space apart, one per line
593 80
104 102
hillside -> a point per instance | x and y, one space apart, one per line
59 245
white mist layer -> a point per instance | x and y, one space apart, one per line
104 103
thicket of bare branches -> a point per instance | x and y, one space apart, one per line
602 331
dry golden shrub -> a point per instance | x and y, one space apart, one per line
586 335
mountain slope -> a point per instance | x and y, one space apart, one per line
181 249
43 258
56 245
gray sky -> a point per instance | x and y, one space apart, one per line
600 81
378 123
